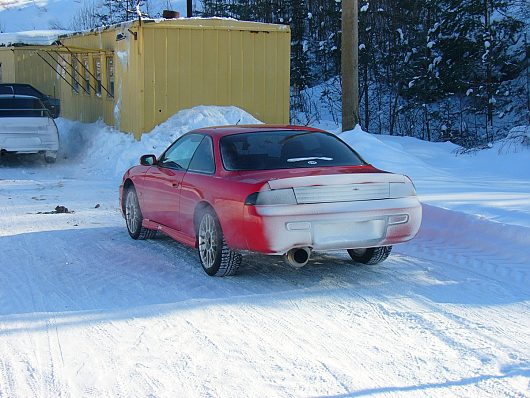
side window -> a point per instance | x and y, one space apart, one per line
75 75
86 75
97 73
203 161
178 155
110 76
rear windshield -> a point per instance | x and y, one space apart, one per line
269 150
22 107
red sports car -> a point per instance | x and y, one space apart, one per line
283 190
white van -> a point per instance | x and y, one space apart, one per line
26 126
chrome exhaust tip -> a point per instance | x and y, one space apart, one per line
297 257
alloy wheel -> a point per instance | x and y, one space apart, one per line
131 212
208 241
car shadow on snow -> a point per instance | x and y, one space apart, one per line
519 370
103 269
22 160
101 274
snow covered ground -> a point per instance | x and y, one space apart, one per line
87 311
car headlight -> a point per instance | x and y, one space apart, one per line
272 197
402 189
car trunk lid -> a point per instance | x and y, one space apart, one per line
338 187
23 124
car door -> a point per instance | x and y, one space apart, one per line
163 182
197 181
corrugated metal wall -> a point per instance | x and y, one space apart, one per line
90 107
216 62
169 66
21 65
7 61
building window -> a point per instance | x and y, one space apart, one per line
62 68
97 73
110 76
86 74
75 75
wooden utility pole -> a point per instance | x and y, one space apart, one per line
350 64
527 52
189 6
489 87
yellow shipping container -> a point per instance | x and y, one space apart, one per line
136 75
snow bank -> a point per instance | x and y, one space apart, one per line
491 183
518 139
390 155
99 148
417 158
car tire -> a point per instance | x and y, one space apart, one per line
134 218
216 258
50 158
371 256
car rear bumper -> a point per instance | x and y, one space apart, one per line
28 143
28 134
328 226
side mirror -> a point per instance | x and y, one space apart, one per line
54 105
148 160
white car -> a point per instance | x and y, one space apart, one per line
26 126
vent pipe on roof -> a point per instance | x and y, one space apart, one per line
170 14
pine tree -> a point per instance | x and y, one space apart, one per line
115 11
476 53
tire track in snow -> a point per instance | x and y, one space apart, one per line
7 382
309 331
51 373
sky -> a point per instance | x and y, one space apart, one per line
23 15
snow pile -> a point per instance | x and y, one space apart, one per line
390 155
518 139
100 148
418 158
490 183
33 37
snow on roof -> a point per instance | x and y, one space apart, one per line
31 37
130 23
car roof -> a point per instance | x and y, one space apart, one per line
16 86
221 131
17 96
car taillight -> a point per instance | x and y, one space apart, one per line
273 197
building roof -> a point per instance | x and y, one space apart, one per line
211 23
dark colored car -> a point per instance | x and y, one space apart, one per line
52 104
